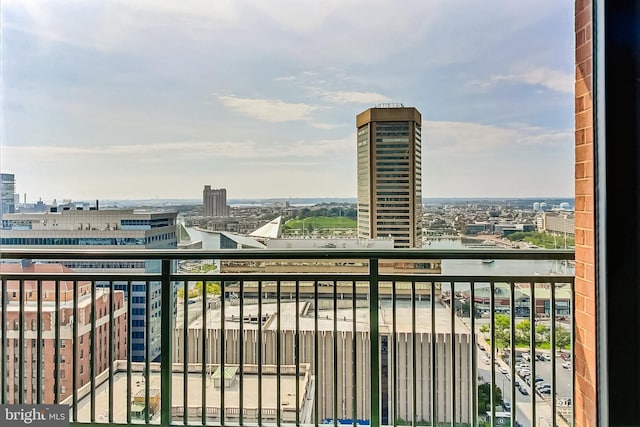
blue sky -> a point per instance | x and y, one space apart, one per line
120 99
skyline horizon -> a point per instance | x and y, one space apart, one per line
240 200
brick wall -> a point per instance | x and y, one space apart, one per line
585 297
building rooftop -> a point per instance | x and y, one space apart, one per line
195 396
325 317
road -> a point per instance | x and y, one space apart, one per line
523 403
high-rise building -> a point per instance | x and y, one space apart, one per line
8 193
66 228
390 174
214 201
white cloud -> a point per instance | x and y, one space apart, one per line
551 79
346 97
269 110
462 138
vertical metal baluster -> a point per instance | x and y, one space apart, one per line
21 343
56 350
39 325
434 376
278 362
316 361
394 352
129 347
297 352
147 351
374 342
452 309
222 351
260 353
532 348
335 353
553 352
414 342
166 345
572 319
93 348
492 321
111 342
185 352
205 342
241 355
75 351
474 356
512 355
354 349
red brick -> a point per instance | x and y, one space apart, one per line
584 119
583 18
584 153
584 52
583 85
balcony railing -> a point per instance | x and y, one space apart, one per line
279 337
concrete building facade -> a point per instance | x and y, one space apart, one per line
214 201
7 193
335 341
389 169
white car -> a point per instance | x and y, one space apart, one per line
502 369
566 365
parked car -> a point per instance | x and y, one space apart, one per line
542 385
544 390
523 390
506 405
526 356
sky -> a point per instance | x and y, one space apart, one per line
121 99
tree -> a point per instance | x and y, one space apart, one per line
484 397
213 288
563 337
542 334
523 332
502 333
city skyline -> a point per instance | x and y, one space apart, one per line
163 98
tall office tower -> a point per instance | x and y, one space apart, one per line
390 175
7 191
215 201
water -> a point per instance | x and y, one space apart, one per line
497 268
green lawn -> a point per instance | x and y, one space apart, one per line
320 222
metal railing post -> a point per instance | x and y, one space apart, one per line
374 342
166 345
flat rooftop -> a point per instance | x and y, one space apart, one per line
195 396
306 315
